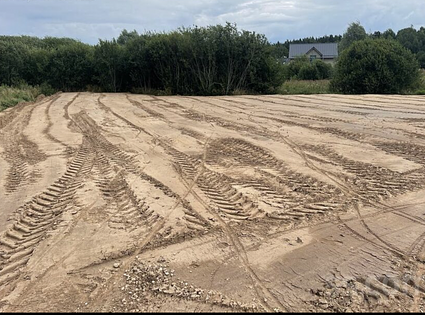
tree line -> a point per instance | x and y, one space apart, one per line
211 60
200 60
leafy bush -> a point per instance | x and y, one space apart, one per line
324 69
46 89
308 72
301 68
377 66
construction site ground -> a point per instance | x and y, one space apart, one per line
123 202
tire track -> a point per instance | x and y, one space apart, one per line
46 130
398 252
21 153
35 218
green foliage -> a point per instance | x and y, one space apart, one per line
302 68
211 60
109 65
12 62
70 67
308 71
409 39
304 87
46 89
126 36
324 69
388 34
201 60
375 66
10 96
292 69
419 87
421 58
353 33
414 41
279 51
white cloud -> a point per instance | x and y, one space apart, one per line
89 20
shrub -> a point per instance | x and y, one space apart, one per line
46 89
301 68
308 72
378 66
324 69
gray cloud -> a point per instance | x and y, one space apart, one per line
89 20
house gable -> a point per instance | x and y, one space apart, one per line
324 51
314 51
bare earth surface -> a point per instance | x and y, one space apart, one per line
120 202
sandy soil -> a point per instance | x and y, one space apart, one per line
120 202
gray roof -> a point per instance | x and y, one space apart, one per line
328 50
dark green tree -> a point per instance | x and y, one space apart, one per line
126 36
353 33
70 67
409 38
12 62
375 66
109 65
389 34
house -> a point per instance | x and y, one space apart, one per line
328 52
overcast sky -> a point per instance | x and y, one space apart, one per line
89 20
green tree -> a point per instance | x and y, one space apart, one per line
409 38
279 51
375 66
353 33
421 58
36 66
12 62
139 64
70 67
126 36
389 34
109 65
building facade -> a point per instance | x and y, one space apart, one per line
327 52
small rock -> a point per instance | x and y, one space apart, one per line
117 265
323 302
299 240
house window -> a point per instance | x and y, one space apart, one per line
312 57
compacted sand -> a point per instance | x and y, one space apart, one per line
121 202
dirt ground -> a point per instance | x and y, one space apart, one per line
121 202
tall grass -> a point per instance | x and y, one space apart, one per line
10 96
305 87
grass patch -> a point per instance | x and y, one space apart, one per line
10 96
305 87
